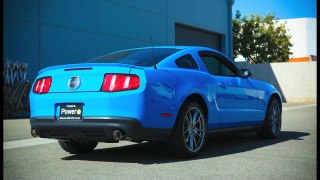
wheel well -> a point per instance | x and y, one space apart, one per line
199 99
275 95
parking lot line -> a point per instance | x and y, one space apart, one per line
298 107
26 142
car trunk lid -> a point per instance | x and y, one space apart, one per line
87 77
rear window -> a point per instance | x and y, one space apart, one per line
137 57
187 62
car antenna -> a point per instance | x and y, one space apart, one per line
154 60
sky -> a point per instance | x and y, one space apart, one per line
282 9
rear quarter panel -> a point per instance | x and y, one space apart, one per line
167 89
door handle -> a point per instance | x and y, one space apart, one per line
222 84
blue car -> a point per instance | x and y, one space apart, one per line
176 94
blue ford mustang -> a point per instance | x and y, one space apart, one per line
171 93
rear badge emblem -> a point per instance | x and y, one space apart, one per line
74 83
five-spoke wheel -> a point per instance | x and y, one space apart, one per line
272 123
194 129
189 134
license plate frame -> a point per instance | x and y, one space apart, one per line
71 112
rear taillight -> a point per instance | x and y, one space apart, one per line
120 82
42 85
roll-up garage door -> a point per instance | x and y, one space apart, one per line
190 36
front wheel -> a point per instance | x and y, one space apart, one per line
74 147
272 123
189 133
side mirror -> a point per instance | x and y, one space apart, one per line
246 73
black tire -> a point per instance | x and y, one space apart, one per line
272 124
193 144
77 147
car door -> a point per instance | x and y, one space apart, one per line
236 96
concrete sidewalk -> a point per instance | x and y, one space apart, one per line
16 129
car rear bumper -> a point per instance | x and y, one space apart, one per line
95 129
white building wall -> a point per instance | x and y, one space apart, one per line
304 36
312 36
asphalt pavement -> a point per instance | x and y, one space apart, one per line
241 156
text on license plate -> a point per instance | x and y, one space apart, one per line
71 112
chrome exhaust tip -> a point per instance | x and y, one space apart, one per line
117 135
34 133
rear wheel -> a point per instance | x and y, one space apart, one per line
272 123
74 147
189 134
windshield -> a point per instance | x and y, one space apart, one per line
137 57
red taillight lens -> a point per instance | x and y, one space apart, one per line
42 85
120 82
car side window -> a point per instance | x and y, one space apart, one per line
216 65
225 71
212 65
187 61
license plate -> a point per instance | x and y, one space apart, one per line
71 112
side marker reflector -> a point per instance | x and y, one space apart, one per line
166 114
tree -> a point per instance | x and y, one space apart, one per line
260 39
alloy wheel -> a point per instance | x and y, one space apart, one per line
275 117
194 129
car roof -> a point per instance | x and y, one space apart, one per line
199 48
172 47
